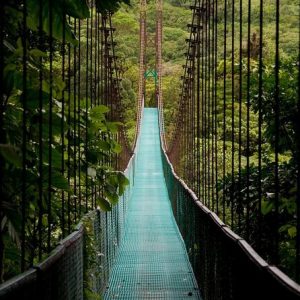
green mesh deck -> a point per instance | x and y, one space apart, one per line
152 262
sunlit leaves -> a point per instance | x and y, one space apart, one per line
97 112
103 204
267 206
91 172
123 182
101 145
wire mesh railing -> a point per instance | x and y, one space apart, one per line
57 277
80 266
225 265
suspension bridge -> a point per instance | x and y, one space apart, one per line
72 225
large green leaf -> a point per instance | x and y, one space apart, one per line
77 9
97 113
57 179
58 19
292 231
33 98
267 205
113 127
123 182
103 204
11 155
113 180
117 148
59 182
104 145
12 78
110 192
122 179
56 156
92 156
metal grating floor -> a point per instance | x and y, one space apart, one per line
152 262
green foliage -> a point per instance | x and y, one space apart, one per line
58 24
11 155
239 191
287 104
242 192
101 146
92 138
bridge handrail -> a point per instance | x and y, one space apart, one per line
279 283
54 277
47 280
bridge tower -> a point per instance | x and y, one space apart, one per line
149 41
143 7
159 50
157 73
159 19
141 91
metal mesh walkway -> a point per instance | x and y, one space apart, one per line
152 262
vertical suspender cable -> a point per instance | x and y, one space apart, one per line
99 58
79 120
197 9
192 114
232 199
86 115
205 103
92 98
202 106
91 56
50 126
69 136
2 134
74 133
24 136
248 122
40 166
209 157
216 104
210 89
298 174
240 114
276 140
212 131
96 59
224 108
260 90
63 123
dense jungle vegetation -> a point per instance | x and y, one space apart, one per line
69 143
241 186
